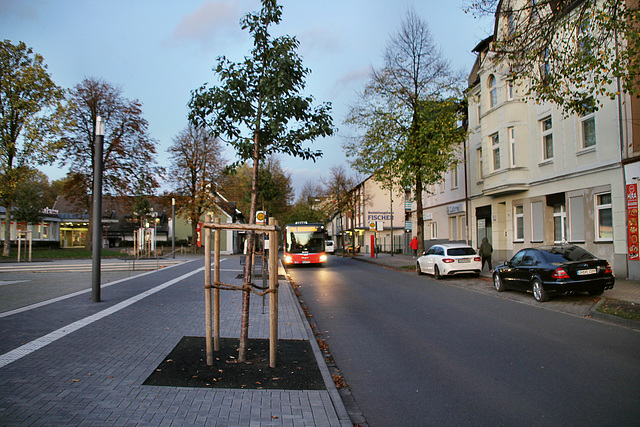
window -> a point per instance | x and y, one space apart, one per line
479 161
454 177
479 107
510 90
544 66
434 230
453 235
493 91
511 132
604 217
547 139
559 224
495 147
588 124
518 223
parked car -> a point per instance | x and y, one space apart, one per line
552 270
449 259
329 246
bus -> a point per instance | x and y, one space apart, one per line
304 244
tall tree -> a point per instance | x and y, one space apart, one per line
261 95
409 115
567 52
30 107
129 151
196 166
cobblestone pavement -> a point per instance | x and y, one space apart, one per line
69 361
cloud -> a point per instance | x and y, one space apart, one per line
351 79
203 24
25 9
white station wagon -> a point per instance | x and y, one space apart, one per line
449 259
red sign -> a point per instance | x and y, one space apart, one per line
199 234
632 218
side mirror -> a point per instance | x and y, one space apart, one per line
424 252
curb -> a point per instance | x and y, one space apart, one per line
608 318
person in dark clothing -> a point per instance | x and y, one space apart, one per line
485 253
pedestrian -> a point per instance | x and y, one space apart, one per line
485 253
414 246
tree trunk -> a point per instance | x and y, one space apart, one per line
6 250
248 268
419 215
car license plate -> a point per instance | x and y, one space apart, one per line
464 260
587 272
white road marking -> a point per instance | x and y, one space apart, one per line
41 342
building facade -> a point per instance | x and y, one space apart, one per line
538 177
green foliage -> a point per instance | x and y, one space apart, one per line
260 96
31 195
30 114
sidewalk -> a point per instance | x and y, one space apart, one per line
74 362
624 290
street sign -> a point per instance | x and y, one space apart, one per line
261 217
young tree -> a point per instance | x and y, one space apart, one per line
30 196
262 95
567 52
29 117
129 151
409 116
196 166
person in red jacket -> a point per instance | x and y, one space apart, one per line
414 246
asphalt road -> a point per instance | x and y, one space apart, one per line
415 351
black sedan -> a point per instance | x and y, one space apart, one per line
551 270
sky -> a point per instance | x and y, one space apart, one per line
158 51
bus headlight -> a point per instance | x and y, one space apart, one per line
323 258
288 259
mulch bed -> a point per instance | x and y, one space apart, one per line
186 366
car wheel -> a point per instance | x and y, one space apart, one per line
498 283
596 292
538 291
436 273
418 269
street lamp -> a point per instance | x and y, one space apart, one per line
173 227
96 225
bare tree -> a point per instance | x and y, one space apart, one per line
129 151
196 166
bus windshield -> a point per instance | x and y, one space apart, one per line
304 239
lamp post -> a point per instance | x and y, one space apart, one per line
96 226
173 227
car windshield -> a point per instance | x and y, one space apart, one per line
460 251
559 255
